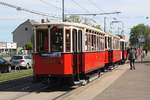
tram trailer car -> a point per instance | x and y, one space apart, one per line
123 47
68 51
113 50
116 52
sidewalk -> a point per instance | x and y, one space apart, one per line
132 85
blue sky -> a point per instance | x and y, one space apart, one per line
133 12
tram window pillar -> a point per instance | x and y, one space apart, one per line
34 29
71 42
49 39
64 39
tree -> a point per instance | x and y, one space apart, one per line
138 35
97 26
28 46
75 19
78 19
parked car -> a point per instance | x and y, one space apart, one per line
5 66
24 61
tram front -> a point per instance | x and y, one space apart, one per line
49 57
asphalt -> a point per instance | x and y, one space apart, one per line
132 85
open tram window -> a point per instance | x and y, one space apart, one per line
42 40
56 39
68 44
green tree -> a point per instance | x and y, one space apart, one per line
138 31
28 46
97 26
75 19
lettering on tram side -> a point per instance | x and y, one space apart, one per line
51 58
53 54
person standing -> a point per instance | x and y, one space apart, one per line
132 57
146 51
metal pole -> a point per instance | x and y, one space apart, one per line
63 17
104 24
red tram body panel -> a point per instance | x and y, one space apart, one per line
116 55
125 54
107 57
93 61
53 65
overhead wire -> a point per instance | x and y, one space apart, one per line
95 5
18 8
50 4
80 6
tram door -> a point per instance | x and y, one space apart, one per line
77 52
110 55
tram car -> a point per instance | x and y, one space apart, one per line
115 50
123 48
67 50
72 51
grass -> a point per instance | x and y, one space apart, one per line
15 75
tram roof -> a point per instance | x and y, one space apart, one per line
70 24
112 35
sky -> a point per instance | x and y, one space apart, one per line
133 12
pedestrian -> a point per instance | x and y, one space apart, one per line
132 57
142 55
146 51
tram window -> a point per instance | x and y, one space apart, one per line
74 40
80 41
92 42
86 42
106 42
68 41
42 40
89 42
114 45
96 42
102 43
56 39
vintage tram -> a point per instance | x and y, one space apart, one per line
72 51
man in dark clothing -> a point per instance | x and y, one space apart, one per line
132 57
146 51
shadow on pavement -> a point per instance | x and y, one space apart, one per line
26 85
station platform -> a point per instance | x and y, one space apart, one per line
132 85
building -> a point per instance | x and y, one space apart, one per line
23 33
8 47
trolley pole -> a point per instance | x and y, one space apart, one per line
63 15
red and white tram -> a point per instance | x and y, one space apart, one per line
72 51
67 50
